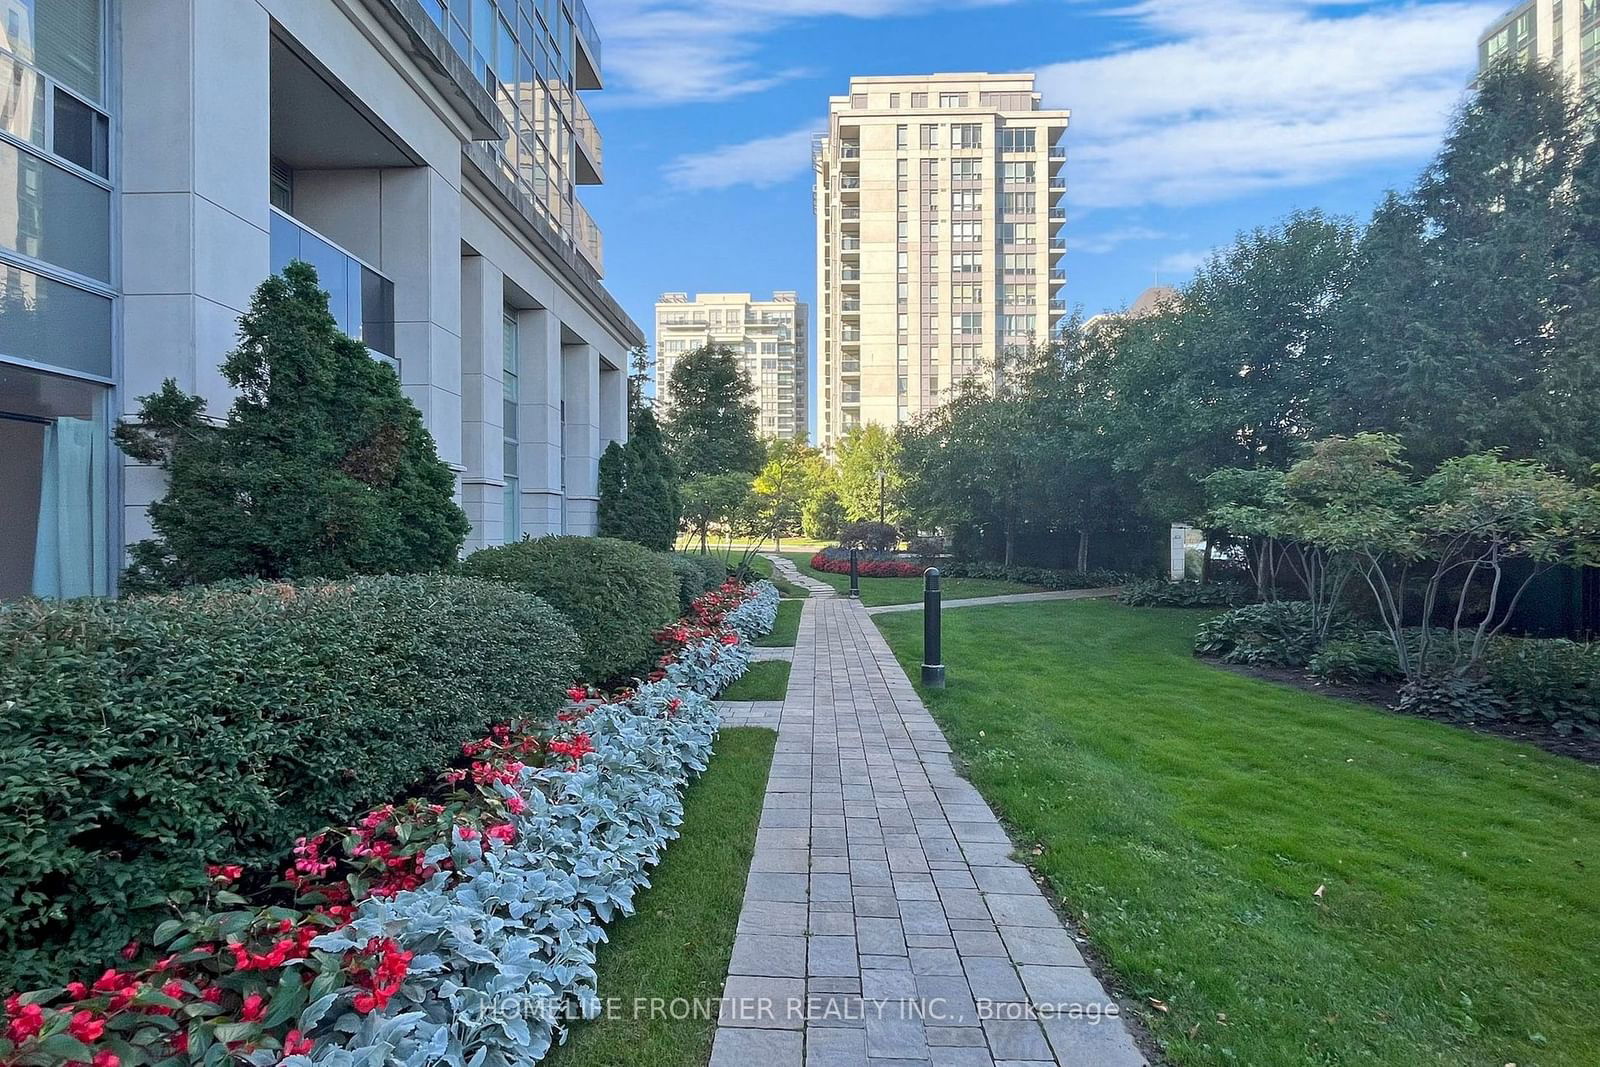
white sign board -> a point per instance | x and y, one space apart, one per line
1180 536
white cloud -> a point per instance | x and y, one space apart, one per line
1237 96
762 162
1177 266
1098 244
664 52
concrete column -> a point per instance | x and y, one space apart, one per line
420 209
195 139
613 405
540 451
482 390
580 389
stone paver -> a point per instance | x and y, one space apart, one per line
785 569
1007 598
884 920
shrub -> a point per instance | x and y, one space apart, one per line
832 561
877 535
1543 680
691 580
1357 659
1275 634
1453 697
323 467
1156 593
1043 577
142 739
927 548
615 593
715 568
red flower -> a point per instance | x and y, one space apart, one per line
253 1008
296 1044
29 1021
503 832
106 1058
515 804
85 1027
365 1002
577 694
130 950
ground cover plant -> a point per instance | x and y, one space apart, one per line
1274 876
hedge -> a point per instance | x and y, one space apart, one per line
691 580
1040 576
615 593
142 739
715 568
425 930
1159 593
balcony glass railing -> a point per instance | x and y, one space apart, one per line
586 237
849 151
850 182
850 244
1058 152
850 336
850 274
588 134
361 299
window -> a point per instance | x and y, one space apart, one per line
964 359
966 263
966 232
1018 203
54 478
858 101
512 394
928 136
966 322
966 200
952 99
967 293
1017 173
61 38
49 213
1018 263
1017 233
51 322
966 135
1019 296
964 170
894 101
1016 325
1017 139
900 137
919 100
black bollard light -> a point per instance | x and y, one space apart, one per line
932 639
855 576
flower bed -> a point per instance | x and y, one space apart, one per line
451 926
867 568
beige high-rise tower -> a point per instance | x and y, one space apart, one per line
938 220
1565 33
769 334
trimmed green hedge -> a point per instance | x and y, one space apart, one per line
142 739
615 593
714 567
691 580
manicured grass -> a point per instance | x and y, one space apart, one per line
678 943
767 680
785 627
1299 880
878 591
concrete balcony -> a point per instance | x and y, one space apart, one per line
1058 276
590 168
1058 156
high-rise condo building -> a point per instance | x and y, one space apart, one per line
938 209
770 335
160 158
1564 33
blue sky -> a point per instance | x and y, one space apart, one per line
1191 120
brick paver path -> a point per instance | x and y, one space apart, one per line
884 920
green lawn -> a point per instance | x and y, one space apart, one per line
760 564
1300 880
877 591
785 627
678 943
767 680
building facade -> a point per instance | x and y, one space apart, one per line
771 335
938 210
1563 33
160 158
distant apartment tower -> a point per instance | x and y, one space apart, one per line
1563 33
938 212
770 335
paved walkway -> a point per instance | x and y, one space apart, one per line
1008 598
786 570
884 920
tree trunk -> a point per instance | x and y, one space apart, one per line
1009 539
1083 551
1205 559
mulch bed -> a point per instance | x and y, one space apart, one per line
1582 747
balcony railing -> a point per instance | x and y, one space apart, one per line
361 299
850 183
850 214
1058 182
1058 214
849 336
849 244
850 305
588 134
1058 153
586 237
586 30
849 151
850 274
849 366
